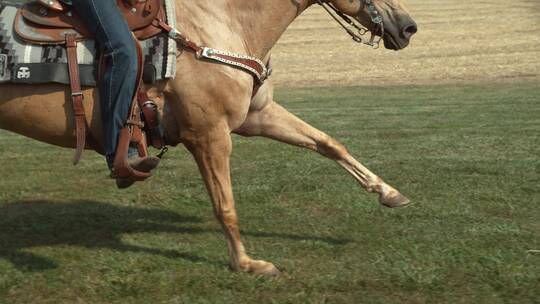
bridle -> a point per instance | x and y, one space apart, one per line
358 36
361 31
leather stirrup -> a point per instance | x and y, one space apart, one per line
121 166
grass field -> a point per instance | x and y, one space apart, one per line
467 156
453 122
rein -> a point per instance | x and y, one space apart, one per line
358 36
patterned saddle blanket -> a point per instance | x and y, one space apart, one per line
25 63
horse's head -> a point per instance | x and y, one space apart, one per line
397 26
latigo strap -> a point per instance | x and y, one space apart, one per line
76 96
150 115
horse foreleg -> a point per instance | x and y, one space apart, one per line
273 121
212 153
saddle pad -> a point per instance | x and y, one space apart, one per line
31 64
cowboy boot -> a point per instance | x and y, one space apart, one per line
143 164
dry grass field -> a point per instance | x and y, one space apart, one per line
458 41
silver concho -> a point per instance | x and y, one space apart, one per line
23 73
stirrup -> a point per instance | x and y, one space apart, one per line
121 166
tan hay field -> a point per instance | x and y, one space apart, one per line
458 41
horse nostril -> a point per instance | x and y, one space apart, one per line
409 30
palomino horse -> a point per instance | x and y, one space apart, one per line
206 102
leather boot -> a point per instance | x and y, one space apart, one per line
143 164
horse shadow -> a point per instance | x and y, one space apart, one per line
98 225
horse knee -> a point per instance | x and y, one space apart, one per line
226 215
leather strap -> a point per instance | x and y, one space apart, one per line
76 96
249 64
150 114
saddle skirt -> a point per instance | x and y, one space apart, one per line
28 63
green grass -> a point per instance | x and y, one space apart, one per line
467 156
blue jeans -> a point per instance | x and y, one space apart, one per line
104 20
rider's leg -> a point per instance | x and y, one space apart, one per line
112 34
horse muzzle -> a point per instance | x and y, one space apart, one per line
401 39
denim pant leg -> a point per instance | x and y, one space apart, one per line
112 34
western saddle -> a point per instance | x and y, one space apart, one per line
54 22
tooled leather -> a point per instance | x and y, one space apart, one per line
138 16
42 33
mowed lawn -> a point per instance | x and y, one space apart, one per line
466 155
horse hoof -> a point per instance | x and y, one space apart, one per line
262 268
273 272
393 199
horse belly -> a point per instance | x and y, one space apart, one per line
41 112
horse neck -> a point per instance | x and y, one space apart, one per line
265 21
250 26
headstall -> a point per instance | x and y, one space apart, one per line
361 31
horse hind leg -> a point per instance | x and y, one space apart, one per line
273 121
212 153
